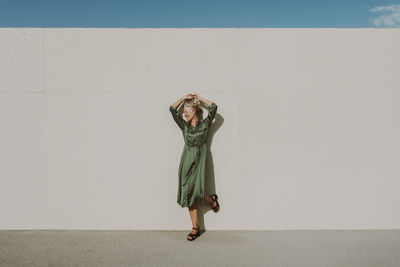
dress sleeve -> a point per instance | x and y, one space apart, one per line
212 110
177 118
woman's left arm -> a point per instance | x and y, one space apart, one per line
203 100
212 108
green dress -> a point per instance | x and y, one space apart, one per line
192 166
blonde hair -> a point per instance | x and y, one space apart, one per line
194 103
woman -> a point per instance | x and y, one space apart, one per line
192 166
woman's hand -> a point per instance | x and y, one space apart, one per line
196 96
188 96
200 99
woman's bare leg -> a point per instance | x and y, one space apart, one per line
194 216
193 211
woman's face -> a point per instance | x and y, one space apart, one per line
189 113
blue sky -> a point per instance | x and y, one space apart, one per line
200 13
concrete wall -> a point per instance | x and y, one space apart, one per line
306 135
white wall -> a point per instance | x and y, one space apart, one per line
306 135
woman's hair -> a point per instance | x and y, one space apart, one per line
194 103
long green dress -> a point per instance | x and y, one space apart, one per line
192 166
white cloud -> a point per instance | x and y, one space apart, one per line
389 18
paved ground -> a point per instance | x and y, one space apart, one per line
320 248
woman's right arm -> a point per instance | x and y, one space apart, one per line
178 102
174 111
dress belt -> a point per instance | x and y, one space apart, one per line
195 145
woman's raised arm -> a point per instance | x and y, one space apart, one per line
174 111
178 102
203 100
211 106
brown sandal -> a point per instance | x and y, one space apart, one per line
194 236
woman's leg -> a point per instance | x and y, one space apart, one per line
194 217
193 211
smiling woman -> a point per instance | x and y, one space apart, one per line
192 166
192 111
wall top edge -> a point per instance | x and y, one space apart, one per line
191 28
